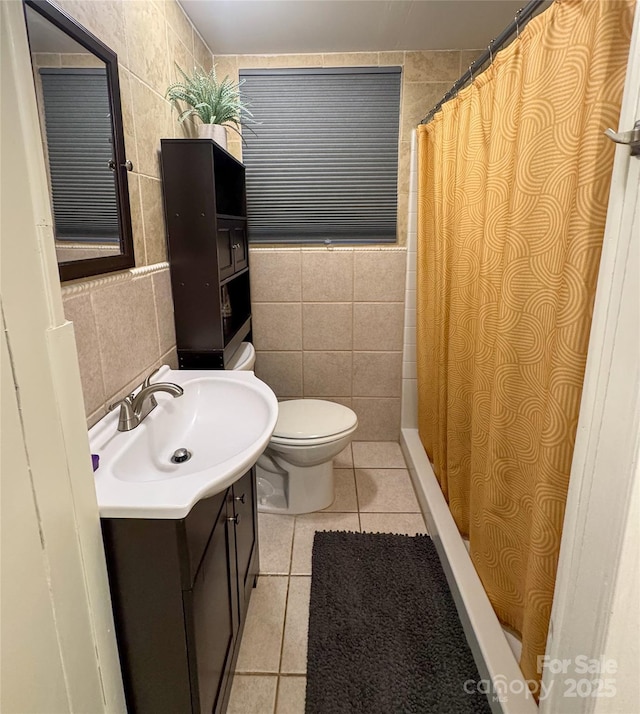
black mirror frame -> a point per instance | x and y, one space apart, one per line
72 270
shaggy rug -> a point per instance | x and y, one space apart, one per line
384 633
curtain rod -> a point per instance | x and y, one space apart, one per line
523 15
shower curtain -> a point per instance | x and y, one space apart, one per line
514 177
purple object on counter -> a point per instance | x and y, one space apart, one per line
95 460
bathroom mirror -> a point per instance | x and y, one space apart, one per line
78 95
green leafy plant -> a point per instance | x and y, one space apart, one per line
214 102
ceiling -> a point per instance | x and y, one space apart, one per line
304 26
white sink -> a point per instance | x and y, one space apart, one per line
225 421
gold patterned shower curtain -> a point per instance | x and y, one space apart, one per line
514 177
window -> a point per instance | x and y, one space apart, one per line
80 148
322 157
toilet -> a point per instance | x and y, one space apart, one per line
295 473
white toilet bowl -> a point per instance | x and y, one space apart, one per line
295 473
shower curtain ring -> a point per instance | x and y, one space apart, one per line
471 71
517 20
490 48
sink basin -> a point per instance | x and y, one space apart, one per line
224 420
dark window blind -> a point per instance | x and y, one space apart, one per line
80 147
322 159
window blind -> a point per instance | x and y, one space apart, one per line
80 146
322 158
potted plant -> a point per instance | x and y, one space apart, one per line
217 104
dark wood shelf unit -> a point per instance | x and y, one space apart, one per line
180 591
205 211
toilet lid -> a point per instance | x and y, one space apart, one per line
312 419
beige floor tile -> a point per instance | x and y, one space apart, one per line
291 695
306 527
403 523
262 637
252 695
345 490
344 460
377 455
296 627
276 540
385 491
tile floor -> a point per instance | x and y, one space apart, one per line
373 494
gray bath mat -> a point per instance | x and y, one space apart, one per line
384 633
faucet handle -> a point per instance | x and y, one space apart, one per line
128 419
147 379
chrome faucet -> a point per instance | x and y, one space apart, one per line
135 407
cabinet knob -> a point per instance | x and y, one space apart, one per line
235 519
240 498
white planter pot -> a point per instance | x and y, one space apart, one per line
213 131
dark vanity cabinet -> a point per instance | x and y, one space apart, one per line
180 592
205 210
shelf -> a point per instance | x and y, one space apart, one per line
231 217
234 276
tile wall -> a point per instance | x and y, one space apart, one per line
409 418
124 322
328 323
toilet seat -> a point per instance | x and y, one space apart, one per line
307 422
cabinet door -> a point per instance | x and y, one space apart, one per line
224 242
212 615
244 491
240 249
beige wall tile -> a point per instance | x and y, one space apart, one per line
418 98
267 61
275 276
378 419
127 331
391 59
226 66
436 66
155 237
80 311
78 60
350 59
95 417
277 326
327 374
378 326
170 358
152 121
146 33
202 53
130 144
179 23
164 310
104 19
282 371
137 225
379 276
181 55
377 374
327 275
467 57
46 59
327 326
404 157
